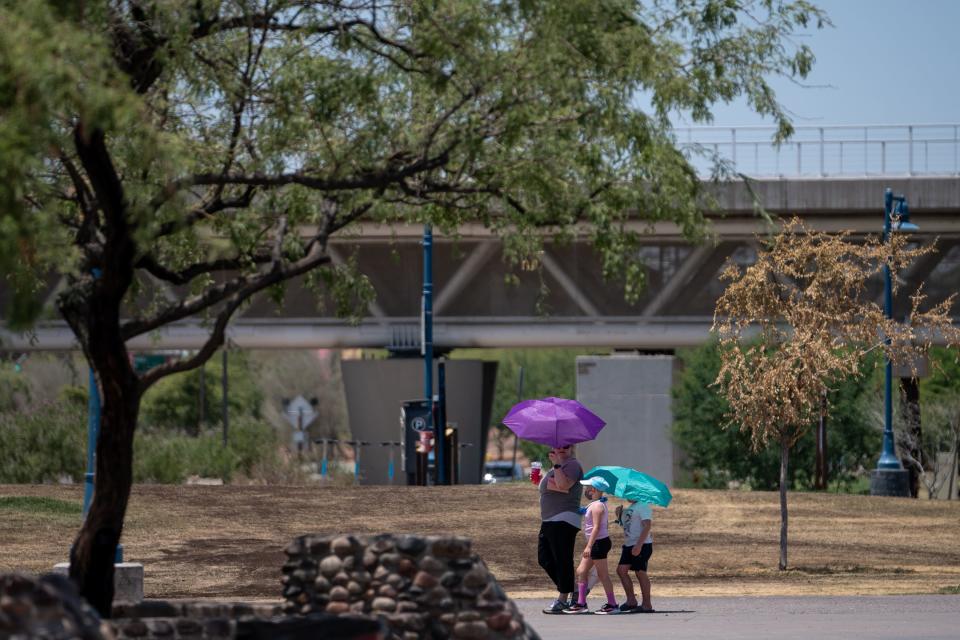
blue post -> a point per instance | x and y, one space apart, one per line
441 428
427 322
890 478
427 314
888 458
323 462
93 433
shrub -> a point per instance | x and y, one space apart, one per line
716 455
77 396
14 391
174 402
50 442
169 458
43 444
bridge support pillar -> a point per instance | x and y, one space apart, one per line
632 393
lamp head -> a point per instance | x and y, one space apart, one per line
900 216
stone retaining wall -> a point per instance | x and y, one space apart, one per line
424 587
49 607
334 587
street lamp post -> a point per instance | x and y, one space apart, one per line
426 343
890 478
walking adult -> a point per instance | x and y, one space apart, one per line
560 492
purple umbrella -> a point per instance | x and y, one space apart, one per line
556 422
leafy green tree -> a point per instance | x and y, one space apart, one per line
217 146
944 378
931 452
717 454
174 402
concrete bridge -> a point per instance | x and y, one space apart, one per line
473 307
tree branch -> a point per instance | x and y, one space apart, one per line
237 296
106 184
268 22
369 180
136 47
215 206
336 224
243 285
184 276
119 248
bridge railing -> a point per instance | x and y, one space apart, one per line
827 151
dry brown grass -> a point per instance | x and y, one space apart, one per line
227 542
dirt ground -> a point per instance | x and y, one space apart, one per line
227 541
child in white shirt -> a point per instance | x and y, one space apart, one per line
637 520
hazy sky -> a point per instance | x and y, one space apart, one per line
885 61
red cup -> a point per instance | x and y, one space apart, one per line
535 468
426 441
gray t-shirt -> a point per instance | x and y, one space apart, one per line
562 507
632 520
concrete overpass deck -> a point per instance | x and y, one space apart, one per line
473 307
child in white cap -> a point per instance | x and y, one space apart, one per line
598 546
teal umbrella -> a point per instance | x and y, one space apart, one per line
631 484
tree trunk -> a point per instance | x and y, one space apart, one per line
954 469
92 308
202 405
910 410
93 552
784 458
820 473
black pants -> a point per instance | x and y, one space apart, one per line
555 553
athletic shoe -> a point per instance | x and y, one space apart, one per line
558 606
628 608
577 608
608 608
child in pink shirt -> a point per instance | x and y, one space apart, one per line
598 546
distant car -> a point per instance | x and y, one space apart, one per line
496 471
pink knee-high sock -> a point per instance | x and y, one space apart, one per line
610 599
582 588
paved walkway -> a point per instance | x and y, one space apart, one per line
762 618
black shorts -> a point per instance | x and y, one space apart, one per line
600 549
638 562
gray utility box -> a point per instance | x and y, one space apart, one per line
632 394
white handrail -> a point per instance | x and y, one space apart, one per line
826 151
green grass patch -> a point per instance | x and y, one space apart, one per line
954 590
31 504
